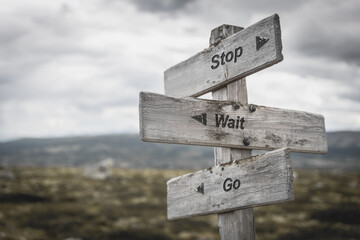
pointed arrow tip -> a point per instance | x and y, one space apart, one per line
202 118
260 41
200 189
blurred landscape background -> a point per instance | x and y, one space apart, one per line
114 187
128 151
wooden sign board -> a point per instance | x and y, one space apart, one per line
228 124
255 181
248 51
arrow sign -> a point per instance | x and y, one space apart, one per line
250 182
248 51
227 124
260 42
200 118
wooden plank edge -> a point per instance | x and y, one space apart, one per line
323 150
278 41
142 95
286 153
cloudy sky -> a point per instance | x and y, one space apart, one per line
72 67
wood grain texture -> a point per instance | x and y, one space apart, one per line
263 179
222 32
239 224
170 120
194 77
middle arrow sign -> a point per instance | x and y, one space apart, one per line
227 124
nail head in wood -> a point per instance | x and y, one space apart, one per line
252 108
246 142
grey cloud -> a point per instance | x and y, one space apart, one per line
271 6
336 44
332 33
98 106
9 35
42 32
159 6
324 68
353 95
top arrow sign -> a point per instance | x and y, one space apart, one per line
246 52
260 42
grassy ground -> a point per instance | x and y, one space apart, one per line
60 203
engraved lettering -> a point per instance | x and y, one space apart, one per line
236 184
222 58
214 60
229 56
231 123
238 53
228 184
237 122
242 120
226 121
221 120
226 57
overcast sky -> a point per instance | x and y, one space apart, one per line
76 67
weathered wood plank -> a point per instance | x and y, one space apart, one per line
255 181
248 51
228 124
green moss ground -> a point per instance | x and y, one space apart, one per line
59 203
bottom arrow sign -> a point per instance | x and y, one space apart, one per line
255 181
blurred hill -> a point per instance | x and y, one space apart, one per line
129 151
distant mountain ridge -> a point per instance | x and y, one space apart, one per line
127 150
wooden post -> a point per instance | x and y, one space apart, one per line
238 224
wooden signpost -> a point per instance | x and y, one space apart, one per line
238 181
228 124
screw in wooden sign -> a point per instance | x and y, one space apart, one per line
238 181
